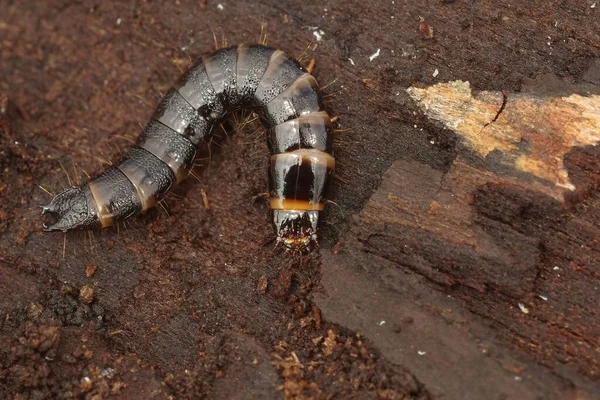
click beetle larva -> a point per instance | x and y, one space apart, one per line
254 77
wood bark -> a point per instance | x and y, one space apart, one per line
460 259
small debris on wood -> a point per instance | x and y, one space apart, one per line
34 310
524 309
329 344
205 199
425 30
318 34
89 270
262 284
306 321
86 384
375 55
86 294
317 316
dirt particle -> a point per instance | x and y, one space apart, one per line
205 199
41 338
317 316
425 30
262 284
306 321
116 387
89 270
300 308
86 294
88 354
329 344
34 310
66 289
85 384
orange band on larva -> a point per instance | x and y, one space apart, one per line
104 213
291 204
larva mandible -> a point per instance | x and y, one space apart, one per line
255 77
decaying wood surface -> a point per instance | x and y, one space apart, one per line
525 133
459 261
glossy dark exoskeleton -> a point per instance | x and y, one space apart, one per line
255 77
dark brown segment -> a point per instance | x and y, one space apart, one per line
221 68
312 131
281 73
252 64
151 177
115 197
300 98
170 147
195 87
301 175
175 112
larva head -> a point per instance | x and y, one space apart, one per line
73 208
296 230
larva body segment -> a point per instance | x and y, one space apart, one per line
246 76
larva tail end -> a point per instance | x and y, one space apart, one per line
73 208
296 229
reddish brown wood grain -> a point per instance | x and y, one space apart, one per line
443 271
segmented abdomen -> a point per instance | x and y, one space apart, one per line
257 77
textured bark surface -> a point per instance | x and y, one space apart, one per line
461 260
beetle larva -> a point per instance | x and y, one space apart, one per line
254 77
